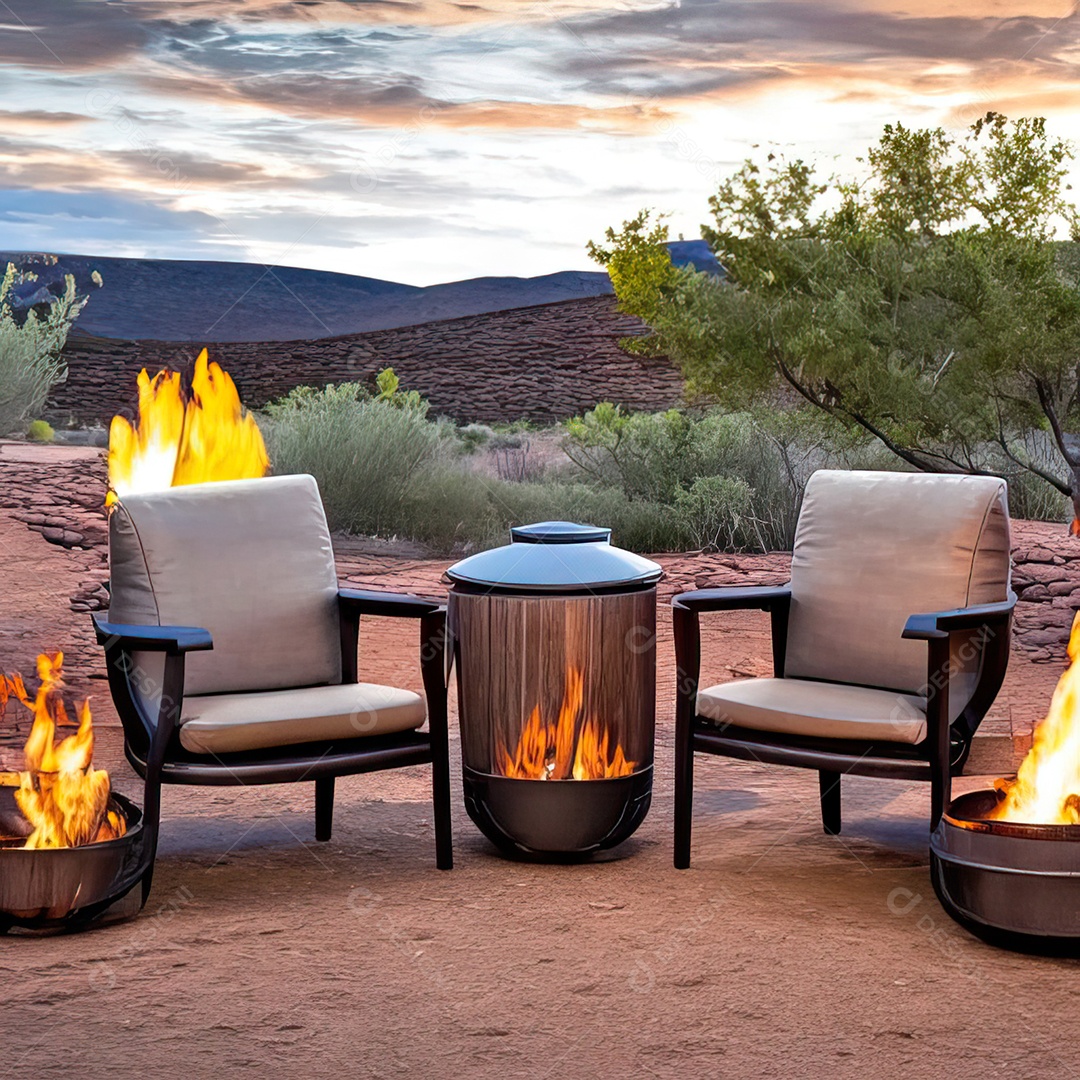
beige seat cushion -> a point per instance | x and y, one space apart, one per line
825 710
249 560
228 723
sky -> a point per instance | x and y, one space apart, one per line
424 141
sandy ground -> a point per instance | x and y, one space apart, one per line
780 952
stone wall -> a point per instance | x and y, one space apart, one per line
539 363
1046 577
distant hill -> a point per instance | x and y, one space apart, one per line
174 300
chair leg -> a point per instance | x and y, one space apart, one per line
440 786
687 634
829 788
433 643
684 792
440 798
324 808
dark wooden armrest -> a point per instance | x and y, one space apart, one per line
352 603
939 624
396 605
687 606
762 597
168 639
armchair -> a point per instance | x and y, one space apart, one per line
232 652
889 644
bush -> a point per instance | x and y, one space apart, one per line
30 363
39 431
453 510
365 453
1030 496
664 482
678 460
473 436
717 512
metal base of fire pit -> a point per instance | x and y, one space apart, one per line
557 820
1014 884
65 888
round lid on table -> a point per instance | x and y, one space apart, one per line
555 556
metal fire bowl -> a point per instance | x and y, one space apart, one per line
55 888
1014 884
557 820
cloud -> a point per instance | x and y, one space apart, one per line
487 123
108 224
35 119
378 104
163 174
72 36
671 51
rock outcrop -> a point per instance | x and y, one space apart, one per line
542 363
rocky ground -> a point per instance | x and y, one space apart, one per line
781 952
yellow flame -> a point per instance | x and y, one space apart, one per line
184 438
1046 790
60 794
563 750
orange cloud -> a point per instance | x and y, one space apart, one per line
373 105
35 119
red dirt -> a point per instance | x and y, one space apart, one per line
781 952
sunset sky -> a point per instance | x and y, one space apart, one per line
425 141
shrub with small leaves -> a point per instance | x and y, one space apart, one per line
40 431
30 346
473 436
389 390
364 455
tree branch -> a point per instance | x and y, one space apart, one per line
789 377
1052 480
925 464
1047 404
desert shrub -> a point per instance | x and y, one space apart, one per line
30 345
1030 496
1034 499
364 453
454 510
665 482
662 457
474 436
40 431
451 509
388 390
717 512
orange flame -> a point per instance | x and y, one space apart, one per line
1046 790
184 438
11 686
60 794
1074 528
563 750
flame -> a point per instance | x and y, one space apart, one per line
184 437
11 686
63 797
1046 790
562 750
1074 528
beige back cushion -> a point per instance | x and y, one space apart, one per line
873 548
249 560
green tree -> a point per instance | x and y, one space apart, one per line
923 302
638 263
